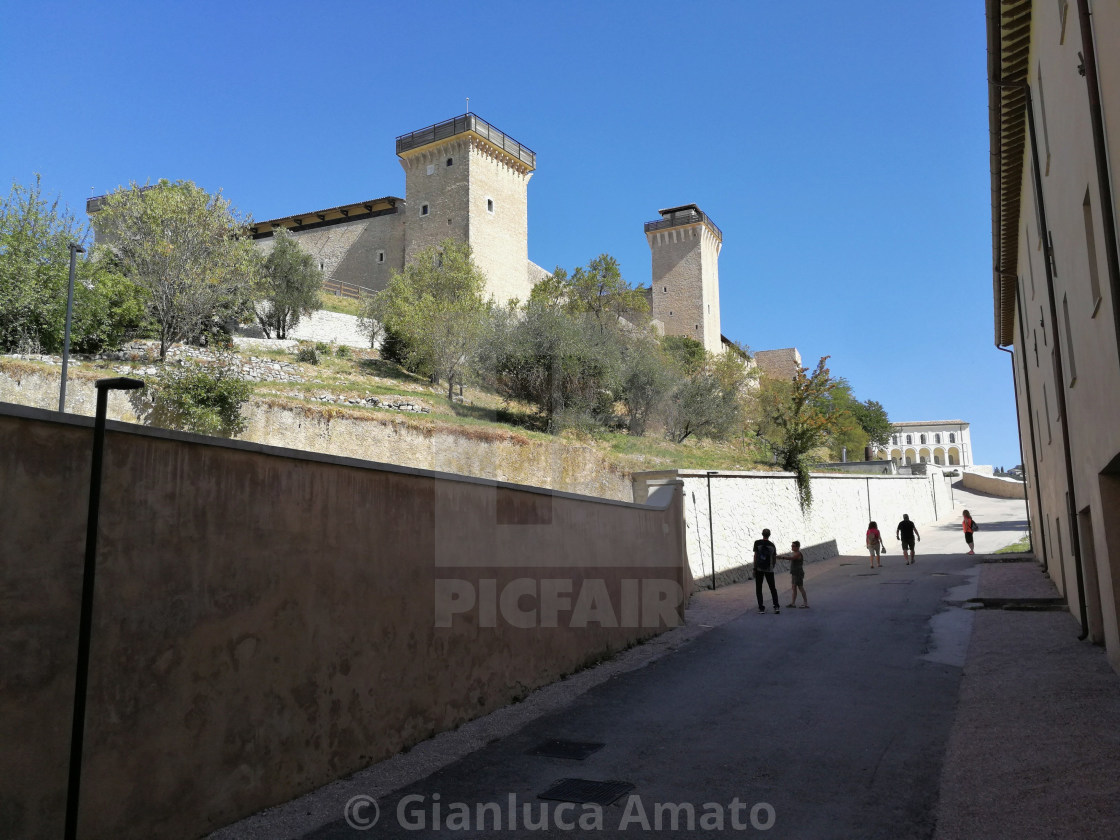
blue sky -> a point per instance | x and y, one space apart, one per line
841 147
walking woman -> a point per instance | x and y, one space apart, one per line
874 544
969 528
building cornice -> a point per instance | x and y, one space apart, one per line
1009 35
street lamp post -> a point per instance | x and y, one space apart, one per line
711 532
77 731
75 249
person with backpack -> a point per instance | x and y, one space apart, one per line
765 558
970 527
874 541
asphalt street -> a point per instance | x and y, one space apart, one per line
829 722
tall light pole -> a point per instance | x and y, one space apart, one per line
85 622
75 249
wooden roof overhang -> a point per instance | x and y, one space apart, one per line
330 216
1009 41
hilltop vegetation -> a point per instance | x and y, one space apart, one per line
579 359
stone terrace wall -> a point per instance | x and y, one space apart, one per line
267 620
375 435
743 503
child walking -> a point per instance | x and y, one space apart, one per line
797 575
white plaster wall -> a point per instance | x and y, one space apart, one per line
330 327
743 503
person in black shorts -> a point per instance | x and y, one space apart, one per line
907 531
765 558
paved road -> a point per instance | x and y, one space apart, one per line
835 717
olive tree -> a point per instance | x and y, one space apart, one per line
289 287
187 249
436 306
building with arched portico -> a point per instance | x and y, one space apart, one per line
944 442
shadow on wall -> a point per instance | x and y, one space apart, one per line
744 572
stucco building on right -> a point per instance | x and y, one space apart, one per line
1054 119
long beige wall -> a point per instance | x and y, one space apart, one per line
1006 488
267 620
743 503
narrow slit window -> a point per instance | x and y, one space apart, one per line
1045 133
1030 262
1069 342
489 205
1046 405
381 256
1091 249
450 161
424 209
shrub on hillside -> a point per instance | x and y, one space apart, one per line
308 354
206 399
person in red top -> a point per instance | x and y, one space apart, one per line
969 527
874 544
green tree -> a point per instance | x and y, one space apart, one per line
648 378
35 234
598 290
797 420
563 364
290 285
709 401
687 353
873 419
186 248
436 305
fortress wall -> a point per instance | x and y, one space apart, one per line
500 239
743 503
348 250
266 620
677 271
446 192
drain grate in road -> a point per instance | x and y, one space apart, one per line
865 574
586 791
559 748
896 582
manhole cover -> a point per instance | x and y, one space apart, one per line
586 791
557 748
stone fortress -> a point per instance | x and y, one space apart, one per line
467 180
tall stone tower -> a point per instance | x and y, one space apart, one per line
685 292
467 180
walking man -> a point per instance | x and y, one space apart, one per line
765 558
907 531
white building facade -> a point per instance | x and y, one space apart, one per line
944 442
